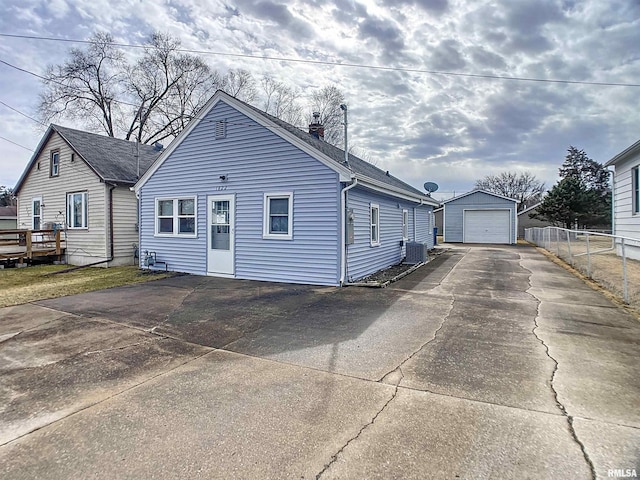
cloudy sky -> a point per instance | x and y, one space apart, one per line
450 129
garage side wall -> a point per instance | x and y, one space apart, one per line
454 214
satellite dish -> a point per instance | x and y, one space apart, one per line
430 187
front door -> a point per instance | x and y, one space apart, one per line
220 241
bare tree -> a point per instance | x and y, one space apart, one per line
281 100
150 100
524 187
88 85
240 83
327 101
169 87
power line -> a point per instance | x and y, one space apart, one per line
16 144
22 113
339 64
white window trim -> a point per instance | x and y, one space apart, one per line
176 217
635 190
405 224
85 210
34 199
374 242
265 217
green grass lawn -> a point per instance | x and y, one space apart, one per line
22 285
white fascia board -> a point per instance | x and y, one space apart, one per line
627 152
344 172
478 190
394 191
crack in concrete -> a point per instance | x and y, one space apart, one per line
168 316
554 392
335 456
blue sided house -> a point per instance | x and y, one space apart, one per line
242 194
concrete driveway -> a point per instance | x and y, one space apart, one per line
486 363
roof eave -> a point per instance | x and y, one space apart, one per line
479 190
394 191
627 152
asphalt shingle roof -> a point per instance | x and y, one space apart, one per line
358 166
113 159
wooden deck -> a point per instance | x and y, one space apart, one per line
21 245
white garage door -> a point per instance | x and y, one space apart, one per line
486 226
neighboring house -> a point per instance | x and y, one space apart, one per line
242 194
8 218
480 217
626 198
439 217
525 221
82 181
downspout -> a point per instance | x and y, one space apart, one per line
110 259
111 188
343 228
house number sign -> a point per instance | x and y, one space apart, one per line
220 188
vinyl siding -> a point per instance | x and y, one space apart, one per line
626 223
125 219
364 259
255 161
454 216
83 246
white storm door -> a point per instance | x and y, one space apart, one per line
220 234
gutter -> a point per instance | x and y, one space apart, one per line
343 228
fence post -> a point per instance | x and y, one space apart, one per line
588 257
625 288
28 239
557 243
569 247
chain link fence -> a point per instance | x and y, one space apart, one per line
604 258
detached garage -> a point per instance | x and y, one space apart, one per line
480 217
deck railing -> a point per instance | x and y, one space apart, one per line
21 244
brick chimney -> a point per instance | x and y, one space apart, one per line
315 127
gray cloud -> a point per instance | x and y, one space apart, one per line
437 7
383 31
447 56
278 13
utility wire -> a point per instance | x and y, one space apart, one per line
339 64
22 113
17 144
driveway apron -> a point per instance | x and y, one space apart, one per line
488 362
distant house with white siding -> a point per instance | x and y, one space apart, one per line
242 194
626 198
82 182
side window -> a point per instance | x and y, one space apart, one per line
635 188
278 216
54 169
77 210
374 215
405 224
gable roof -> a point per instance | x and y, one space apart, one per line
626 153
328 154
479 190
112 159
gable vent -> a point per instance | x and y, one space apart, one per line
221 129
